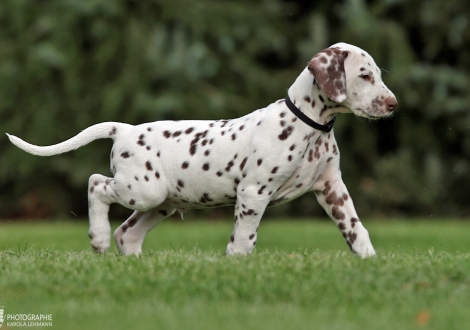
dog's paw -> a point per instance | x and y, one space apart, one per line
99 244
99 248
366 252
362 245
127 244
240 250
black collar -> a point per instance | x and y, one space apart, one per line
303 117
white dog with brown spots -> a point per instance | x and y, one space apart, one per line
267 157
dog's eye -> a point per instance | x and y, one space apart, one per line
366 77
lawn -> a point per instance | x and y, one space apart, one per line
301 276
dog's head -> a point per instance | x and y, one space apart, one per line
349 76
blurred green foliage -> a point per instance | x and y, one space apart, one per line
65 65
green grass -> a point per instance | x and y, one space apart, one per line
300 277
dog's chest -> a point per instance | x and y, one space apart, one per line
320 152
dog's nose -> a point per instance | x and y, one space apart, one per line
391 103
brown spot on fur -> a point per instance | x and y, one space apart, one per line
285 133
336 213
317 152
352 237
310 155
332 198
260 191
353 221
229 165
205 198
242 164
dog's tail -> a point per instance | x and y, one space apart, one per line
107 130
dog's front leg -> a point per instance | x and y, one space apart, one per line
248 212
335 199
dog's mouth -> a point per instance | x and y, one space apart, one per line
362 113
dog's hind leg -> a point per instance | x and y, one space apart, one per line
130 236
101 194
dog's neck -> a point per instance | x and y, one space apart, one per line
311 100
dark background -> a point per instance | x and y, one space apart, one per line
65 65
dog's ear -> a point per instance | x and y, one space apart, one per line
328 69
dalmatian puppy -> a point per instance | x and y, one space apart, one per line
268 157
